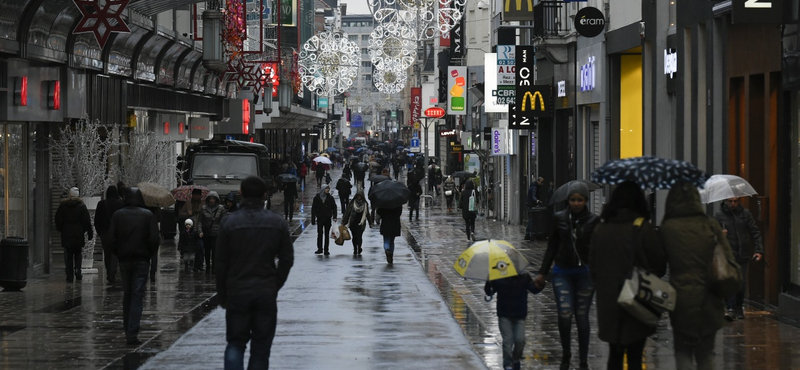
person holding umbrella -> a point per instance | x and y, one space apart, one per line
323 208
357 217
568 247
512 310
390 228
469 216
388 197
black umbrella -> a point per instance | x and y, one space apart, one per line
562 193
463 174
389 194
649 172
379 178
361 167
288 177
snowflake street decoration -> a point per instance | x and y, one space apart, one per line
329 63
101 18
391 46
240 72
426 18
389 82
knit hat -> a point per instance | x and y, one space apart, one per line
74 192
189 222
580 188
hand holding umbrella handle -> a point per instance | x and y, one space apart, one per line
539 280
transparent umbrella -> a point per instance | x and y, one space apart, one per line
721 187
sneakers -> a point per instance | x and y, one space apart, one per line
729 315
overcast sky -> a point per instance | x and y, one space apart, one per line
356 6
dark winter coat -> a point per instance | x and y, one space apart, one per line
512 295
390 220
560 247
532 200
211 217
688 235
416 189
322 212
320 170
189 240
469 188
72 220
106 209
134 230
343 187
743 233
289 190
353 219
610 261
248 243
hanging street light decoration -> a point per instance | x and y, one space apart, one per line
426 18
391 46
389 81
329 63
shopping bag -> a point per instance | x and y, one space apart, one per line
472 206
344 233
334 230
448 193
724 275
645 296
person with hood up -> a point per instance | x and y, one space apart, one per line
689 237
289 196
625 238
73 221
210 218
193 210
449 192
740 227
469 216
230 202
357 218
323 208
102 220
569 246
343 186
134 239
390 228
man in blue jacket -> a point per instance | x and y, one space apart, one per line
512 309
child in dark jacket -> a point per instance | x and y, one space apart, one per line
189 243
512 309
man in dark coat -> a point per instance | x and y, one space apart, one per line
72 221
134 239
343 186
248 278
390 228
512 309
289 196
102 220
323 208
742 234
320 173
413 200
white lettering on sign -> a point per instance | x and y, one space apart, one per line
524 74
670 62
562 89
588 75
758 4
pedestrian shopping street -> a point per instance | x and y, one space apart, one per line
338 312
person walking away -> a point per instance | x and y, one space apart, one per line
343 186
742 233
469 216
689 237
289 196
134 239
210 218
512 309
413 200
254 257
102 220
303 174
449 192
189 244
193 209
568 247
320 173
390 228
532 201
73 221
357 218
623 239
323 208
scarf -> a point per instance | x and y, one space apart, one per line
360 207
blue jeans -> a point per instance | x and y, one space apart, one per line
250 318
134 282
388 243
574 292
513 333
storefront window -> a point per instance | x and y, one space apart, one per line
12 180
795 211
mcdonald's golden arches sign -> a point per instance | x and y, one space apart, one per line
517 10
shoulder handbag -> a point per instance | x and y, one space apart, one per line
644 295
725 276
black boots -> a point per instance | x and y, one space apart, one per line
319 251
355 250
389 256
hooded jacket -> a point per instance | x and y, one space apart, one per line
72 220
106 209
512 294
211 216
134 230
560 247
743 233
688 236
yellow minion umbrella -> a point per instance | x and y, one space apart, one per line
490 260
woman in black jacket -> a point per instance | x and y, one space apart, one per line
469 216
569 248
322 210
390 228
102 219
357 217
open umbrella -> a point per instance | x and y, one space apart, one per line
720 187
287 177
155 195
562 193
332 149
361 149
184 193
490 260
323 160
351 148
388 194
649 172
326 155
361 167
463 174
376 179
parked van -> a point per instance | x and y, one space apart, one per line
221 165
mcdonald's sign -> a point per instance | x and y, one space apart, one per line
532 105
514 10
531 102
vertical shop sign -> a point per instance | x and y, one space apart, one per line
416 104
456 91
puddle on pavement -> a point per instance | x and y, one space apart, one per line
62 306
